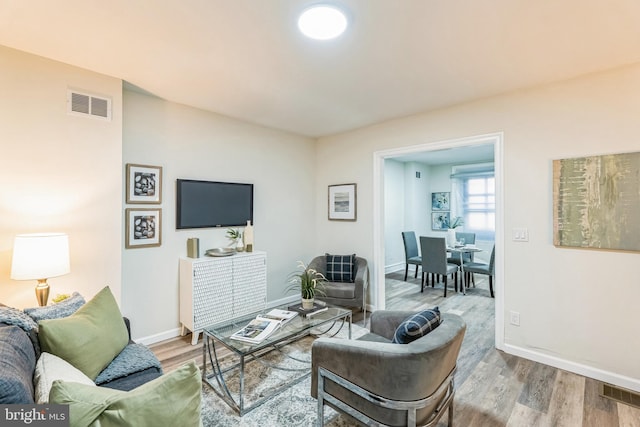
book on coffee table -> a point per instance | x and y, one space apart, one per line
256 331
317 308
282 316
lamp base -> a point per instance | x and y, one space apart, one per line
42 292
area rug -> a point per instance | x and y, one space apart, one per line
292 407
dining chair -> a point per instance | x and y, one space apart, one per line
434 260
411 255
483 268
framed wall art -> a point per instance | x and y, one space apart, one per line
343 202
143 228
440 220
144 184
441 201
596 202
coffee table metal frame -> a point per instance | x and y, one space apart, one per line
322 323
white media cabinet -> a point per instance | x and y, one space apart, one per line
216 289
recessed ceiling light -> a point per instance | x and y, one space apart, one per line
322 22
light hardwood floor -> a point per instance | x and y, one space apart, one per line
493 388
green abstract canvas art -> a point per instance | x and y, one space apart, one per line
596 202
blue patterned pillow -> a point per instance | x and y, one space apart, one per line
416 326
64 308
340 268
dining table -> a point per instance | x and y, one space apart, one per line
463 249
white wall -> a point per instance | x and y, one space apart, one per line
406 207
191 143
575 310
59 173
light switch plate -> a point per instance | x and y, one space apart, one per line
520 234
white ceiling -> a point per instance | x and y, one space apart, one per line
246 59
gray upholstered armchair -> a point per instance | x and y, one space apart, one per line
392 384
344 294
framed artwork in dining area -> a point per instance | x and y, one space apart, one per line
440 220
441 201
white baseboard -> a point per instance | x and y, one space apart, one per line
172 333
394 267
152 339
577 368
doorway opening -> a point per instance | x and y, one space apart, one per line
441 148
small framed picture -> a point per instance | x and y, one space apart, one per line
439 220
143 228
144 184
343 202
441 201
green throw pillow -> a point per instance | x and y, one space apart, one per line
173 399
90 338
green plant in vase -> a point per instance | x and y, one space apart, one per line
235 235
309 282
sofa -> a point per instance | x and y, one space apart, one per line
20 350
80 355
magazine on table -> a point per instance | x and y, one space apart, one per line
256 331
281 316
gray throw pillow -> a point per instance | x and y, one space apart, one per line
64 308
416 326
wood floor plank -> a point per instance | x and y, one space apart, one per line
524 416
566 406
628 416
538 388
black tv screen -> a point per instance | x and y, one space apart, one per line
202 204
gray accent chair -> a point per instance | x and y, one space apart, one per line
434 260
344 294
482 268
380 383
411 255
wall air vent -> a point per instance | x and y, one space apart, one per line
620 394
84 104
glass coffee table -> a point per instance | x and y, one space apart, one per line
326 323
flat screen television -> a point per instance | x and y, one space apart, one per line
202 204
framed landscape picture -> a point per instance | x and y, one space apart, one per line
441 201
143 228
144 184
343 202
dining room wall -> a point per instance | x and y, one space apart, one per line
575 312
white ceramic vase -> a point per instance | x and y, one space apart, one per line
307 303
451 237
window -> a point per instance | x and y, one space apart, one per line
479 206
475 199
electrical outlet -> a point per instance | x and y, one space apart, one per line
514 318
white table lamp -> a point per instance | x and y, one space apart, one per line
39 257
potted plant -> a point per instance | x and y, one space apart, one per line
235 236
451 232
309 282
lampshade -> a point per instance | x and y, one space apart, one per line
40 256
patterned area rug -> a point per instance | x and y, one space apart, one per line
292 407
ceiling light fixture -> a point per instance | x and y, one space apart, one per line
322 22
